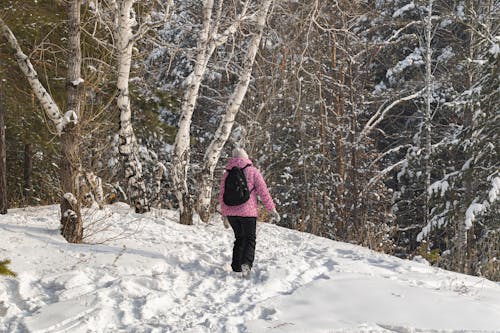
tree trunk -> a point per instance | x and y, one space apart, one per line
427 114
71 219
180 150
339 157
3 162
28 170
358 178
462 241
158 174
66 126
128 144
213 152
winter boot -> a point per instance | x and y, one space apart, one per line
245 271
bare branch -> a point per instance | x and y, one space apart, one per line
382 112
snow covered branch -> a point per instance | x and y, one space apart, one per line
382 174
388 152
396 34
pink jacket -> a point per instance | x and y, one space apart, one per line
254 180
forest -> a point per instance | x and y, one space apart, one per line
373 122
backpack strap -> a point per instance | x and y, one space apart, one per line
246 166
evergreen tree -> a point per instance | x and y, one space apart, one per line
4 270
466 196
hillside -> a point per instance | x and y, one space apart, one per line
165 277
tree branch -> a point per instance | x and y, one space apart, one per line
45 99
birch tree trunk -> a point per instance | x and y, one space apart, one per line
3 162
427 113
158 174
180 151
213 152
128 144
71 219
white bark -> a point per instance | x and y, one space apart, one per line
124 57
427 112
123 23
158 173
205 48
89 185
180 150
128 148
213 152
49 106
3 161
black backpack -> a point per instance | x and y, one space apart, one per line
235 187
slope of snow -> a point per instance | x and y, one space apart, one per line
160 276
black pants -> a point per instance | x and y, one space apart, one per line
244 246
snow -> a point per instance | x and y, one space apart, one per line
70 117
437 221
474 209
495 189
446 54
379 88
70 198
495 49
155 275
439 187
413 59
76 82
460 11
403 9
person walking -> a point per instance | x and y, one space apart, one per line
239 187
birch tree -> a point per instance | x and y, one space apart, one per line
65 124
427 112
128 143
127 29
180 150
213 152
3 162
209 39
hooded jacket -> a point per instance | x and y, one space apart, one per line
256 185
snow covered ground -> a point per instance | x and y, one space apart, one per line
164 277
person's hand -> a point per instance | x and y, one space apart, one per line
275 216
